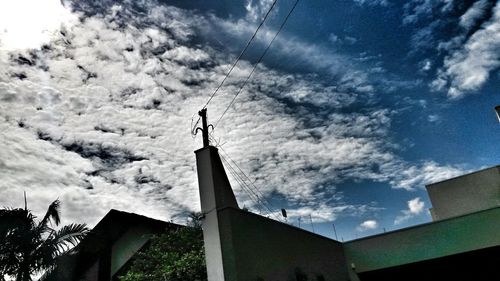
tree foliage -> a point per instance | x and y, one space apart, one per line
176 255
28 247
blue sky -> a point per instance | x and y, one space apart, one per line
357 105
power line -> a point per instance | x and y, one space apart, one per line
241 54
246 187
246 179
235 62
260 59
241 171
243 185
260 199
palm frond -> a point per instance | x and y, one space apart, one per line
53 212
68 236
28 247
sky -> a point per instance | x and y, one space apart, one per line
356 106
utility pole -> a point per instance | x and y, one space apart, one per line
204 128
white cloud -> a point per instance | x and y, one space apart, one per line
468 68
471 52
24 26
433 118
100 117
335 39
328 210
427 173
415 207
418 10
367 225
372 2
316 57
474 13
426 65
256 9
415 9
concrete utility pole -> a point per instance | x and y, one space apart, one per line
216 195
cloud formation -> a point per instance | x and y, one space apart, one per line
100 117
468 68
466 36
22 25
367 225
415 207
372 2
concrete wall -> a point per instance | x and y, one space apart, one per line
241 246
465 194
257 248
428 241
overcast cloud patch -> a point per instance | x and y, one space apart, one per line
106 121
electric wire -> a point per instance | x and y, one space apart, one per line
261 199
258 62
247 188
241 171
237 174
244 181
234 64
241 182
241 54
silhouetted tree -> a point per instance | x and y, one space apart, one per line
28 247
172 256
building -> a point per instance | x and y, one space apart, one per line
462 242
107 251
465 194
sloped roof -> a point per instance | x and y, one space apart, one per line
100 240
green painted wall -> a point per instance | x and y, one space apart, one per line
255 247
460 234
128 244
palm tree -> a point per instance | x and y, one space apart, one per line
28 247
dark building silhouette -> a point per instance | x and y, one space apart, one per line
461 243
107 251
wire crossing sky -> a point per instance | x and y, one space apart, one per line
353 109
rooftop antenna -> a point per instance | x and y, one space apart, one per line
204 129
335 231
312 225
